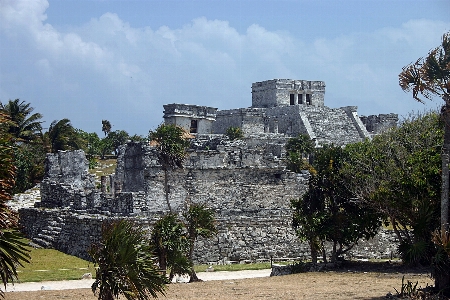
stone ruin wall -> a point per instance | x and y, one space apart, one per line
277 92
248 189
377 124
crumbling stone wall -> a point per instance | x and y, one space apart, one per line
67 182
238 238
247 187
377 124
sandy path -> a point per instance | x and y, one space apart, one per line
308 286
86 283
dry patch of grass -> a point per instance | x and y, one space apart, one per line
314 285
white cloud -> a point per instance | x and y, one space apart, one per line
106 69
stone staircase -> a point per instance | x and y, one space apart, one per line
332 124
48 236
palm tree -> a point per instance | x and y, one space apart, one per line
106 127
429 77
12 250
126 265
170 244
23 126
171 143
62 136
200 222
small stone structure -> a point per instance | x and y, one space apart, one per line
245 182
193 118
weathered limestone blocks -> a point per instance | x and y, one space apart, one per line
67 181
376 124
247 186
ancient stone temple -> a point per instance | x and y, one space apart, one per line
245 182
283 106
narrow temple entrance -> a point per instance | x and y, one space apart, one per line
194 124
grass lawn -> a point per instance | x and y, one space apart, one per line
104 167
50 264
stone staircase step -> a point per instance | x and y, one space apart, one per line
42 243
45 237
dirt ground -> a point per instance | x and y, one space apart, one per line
312 285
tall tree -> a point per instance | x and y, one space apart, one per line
106 127
62 135
328 211
25 129
92 143
200 222
117 138
171 245
125 263
12 250
23 125
398 174
430 77
171 143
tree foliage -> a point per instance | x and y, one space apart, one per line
200 222
92 143
298 150
62 135
171 245
171 144
25 131
398 174
106 127
126 265
22 125
429 77
12 249
328 210
116 139
234 133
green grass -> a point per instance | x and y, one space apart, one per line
50 264
105 167
234 267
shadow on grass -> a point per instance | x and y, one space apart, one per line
392 267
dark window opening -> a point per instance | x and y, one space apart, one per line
193 126
308 99
292 98
300 99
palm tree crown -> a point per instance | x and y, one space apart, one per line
23 126
126 264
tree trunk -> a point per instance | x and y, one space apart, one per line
445 113
166 189
193 275
333 254
313 247
162 259
324 254
442 279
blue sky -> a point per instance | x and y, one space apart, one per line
122 60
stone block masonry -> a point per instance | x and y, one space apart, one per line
245 182
246 186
